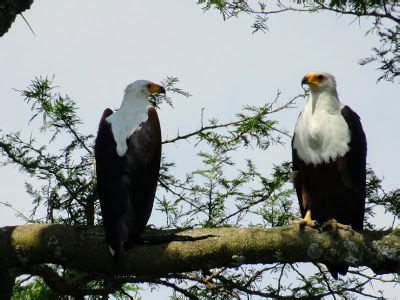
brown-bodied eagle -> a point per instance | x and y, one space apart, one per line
128 153
329 151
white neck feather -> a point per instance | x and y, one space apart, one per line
132 113
321 132
324 101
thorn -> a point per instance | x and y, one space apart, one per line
27 24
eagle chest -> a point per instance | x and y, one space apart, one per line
316 133
321 136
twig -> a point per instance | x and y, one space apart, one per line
237 122
244 208
321 6
27 23
280 279
326 280
176 288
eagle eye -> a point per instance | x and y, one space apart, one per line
320 77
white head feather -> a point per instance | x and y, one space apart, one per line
132 113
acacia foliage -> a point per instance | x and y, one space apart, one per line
225 189
384 18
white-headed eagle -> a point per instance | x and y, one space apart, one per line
128 154
329 152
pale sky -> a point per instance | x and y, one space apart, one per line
96 48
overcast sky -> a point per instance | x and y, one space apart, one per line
96 48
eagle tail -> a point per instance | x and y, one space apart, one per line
117 239
335 270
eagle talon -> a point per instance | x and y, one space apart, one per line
306 221
332 224
309 223
303 223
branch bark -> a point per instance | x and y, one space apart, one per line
163 252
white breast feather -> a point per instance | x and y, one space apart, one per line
322 135
124 123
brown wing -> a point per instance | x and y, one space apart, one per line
144 156
103 154
355 167
297 180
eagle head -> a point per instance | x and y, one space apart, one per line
144 88
320 82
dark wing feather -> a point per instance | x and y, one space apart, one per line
104 142
113 202
296 178
144 156
356 165
354 179
126 185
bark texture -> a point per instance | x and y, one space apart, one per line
163 252
9 9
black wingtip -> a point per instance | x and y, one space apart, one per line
335 270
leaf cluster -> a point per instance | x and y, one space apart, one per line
67 189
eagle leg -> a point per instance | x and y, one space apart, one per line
332 224
306 221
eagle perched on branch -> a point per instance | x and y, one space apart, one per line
329 152
128 154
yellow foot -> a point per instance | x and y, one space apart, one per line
332 224
303 223
307 221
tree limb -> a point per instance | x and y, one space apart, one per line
163 252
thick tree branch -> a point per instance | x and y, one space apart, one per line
164 252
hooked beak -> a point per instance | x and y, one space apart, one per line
304 81
156 89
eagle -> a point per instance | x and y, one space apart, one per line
128 154
329 150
